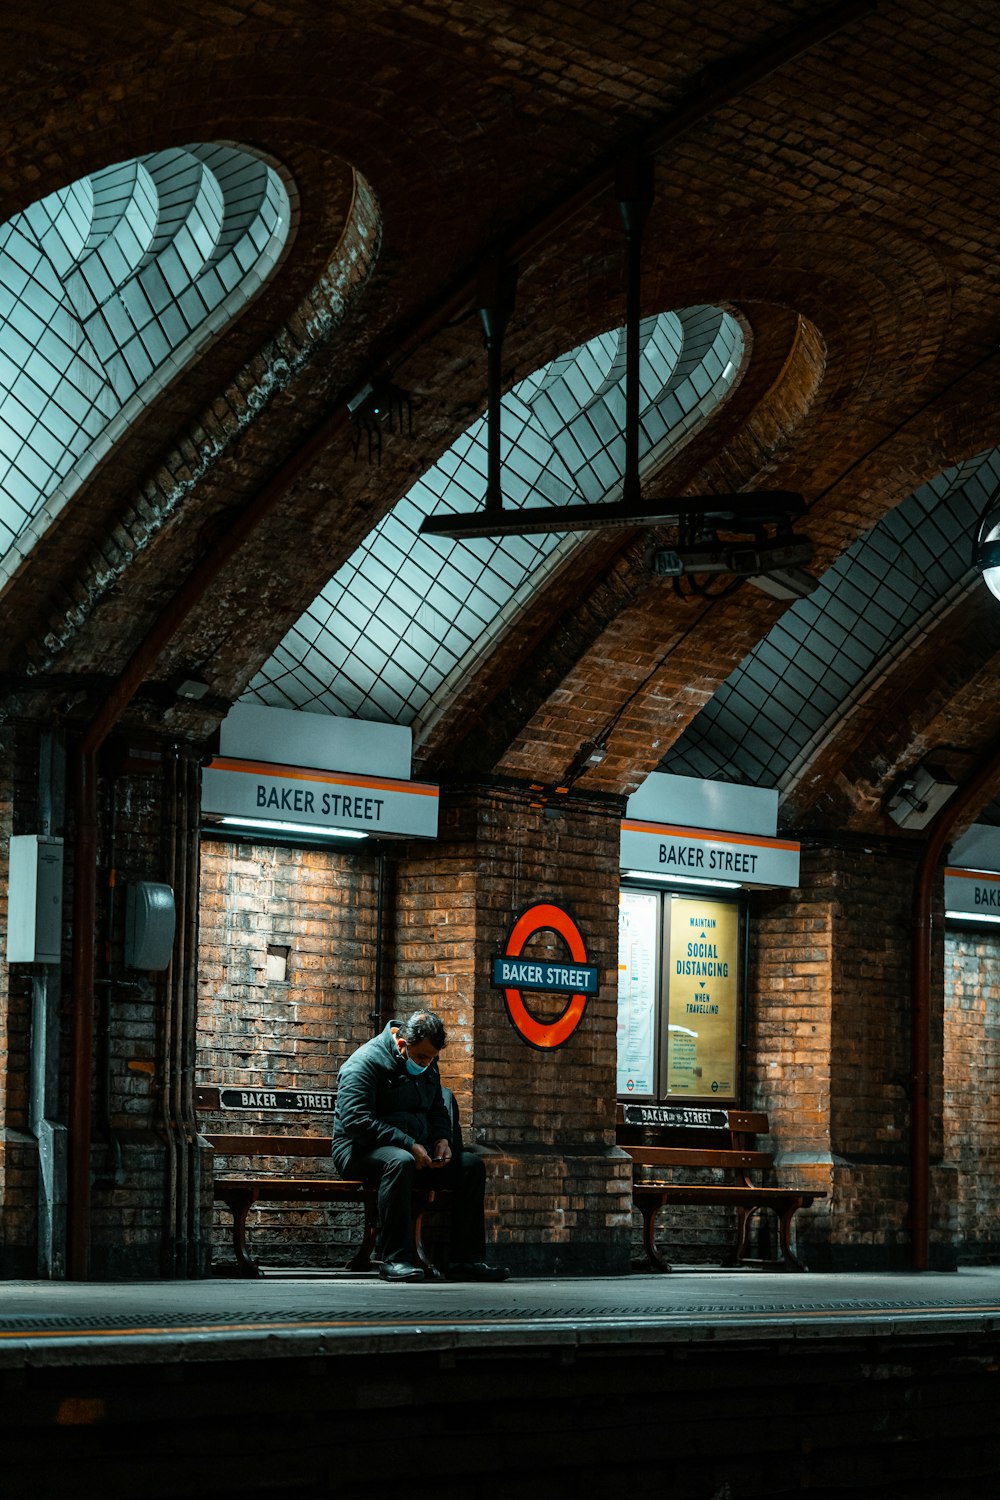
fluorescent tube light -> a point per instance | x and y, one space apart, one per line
265 825
722 885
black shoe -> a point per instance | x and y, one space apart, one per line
477 1270
400 1270
433 1274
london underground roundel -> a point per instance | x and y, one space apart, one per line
573 976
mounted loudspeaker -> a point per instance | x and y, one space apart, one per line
149 925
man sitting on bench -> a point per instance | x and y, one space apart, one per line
390 1123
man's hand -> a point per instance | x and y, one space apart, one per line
421 1156
441 1154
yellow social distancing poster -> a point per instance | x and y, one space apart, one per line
702 998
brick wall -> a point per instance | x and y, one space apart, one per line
972 1091
830 1047
287 966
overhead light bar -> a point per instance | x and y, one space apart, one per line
759 508
722 885
264 825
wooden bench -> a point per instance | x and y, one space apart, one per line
241 1191
671 1136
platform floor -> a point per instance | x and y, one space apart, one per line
695 1385
68 1322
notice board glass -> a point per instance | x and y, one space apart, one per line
680 996
638 984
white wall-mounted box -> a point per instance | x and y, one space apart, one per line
34 899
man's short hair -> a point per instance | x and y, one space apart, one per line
423 1025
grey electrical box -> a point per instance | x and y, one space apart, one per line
34 905
149 925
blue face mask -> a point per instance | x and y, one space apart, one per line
414 1068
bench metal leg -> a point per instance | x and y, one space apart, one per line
649 1208
792 1262
422 1201
239 1205
788 1260
361 1260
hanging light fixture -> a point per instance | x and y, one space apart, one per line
988 543
634 183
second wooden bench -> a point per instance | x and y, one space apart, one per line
724 1140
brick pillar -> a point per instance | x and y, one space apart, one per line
559 1198
830 1051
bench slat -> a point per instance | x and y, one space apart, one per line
690 1193
695 1156
270 1145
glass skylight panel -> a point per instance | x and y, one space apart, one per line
896 578
105 288
561 442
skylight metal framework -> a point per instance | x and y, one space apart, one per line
107 289
763 722
407 616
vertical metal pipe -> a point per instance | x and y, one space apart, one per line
178 986
188 1118
166 1068
49 1134
376 1016
82 1021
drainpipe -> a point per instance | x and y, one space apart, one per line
971 797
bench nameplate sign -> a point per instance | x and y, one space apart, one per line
676 1114
287 1099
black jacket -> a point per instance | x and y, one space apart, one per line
380 1104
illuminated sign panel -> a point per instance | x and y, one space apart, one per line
696 853
972 893
260 792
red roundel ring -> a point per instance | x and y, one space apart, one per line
546 1035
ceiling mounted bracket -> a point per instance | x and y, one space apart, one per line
634 189
378 406
497 286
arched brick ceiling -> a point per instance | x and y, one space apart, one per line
851 189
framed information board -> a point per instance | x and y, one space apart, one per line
702 992
638 983
680 996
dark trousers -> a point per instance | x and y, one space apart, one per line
395 1173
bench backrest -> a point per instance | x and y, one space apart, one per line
672 1136
252 1144
254 1141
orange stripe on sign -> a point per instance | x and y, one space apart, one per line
332 778
630 826
981 877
